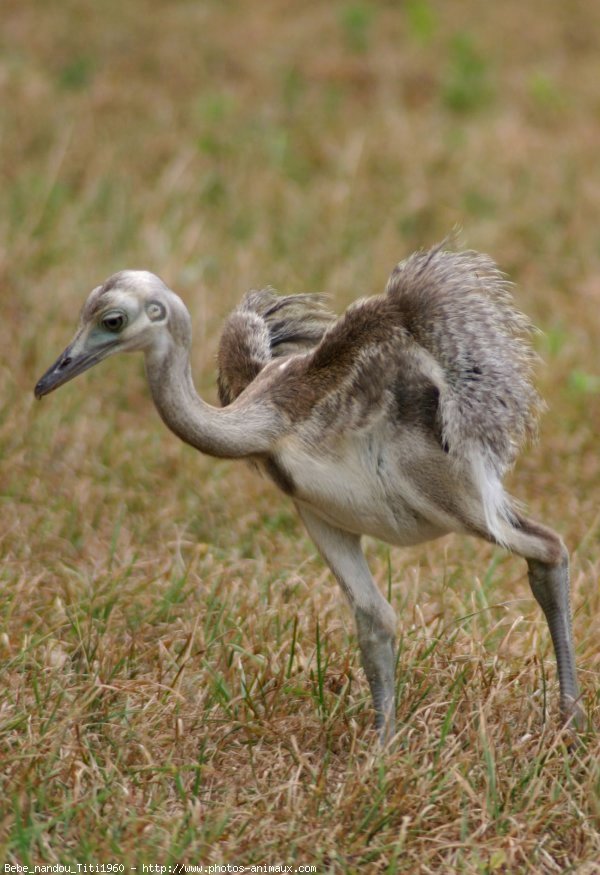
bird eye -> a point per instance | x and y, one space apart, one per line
114 322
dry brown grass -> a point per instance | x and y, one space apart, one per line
179 679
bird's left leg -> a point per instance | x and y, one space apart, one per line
374 616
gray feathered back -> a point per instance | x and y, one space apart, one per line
458 306
266 326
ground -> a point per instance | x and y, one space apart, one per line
180 679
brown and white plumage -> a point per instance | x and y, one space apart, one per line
397 419
443 351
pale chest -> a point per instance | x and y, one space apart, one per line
354 484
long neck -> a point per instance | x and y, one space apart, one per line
232 432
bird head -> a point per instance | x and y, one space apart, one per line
132 310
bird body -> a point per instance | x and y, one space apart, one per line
396 420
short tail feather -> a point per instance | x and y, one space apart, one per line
458 306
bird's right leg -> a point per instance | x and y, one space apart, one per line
374 616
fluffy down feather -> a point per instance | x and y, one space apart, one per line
266 326
458 306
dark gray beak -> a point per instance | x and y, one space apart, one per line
67 366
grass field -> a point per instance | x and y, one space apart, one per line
179 676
